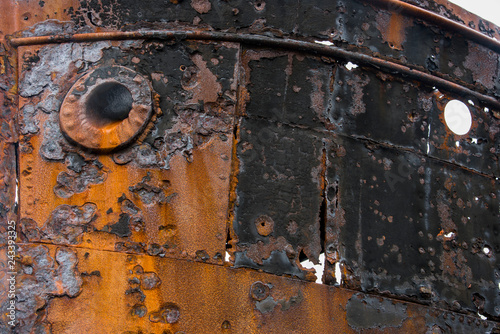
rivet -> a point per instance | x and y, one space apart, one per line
259 291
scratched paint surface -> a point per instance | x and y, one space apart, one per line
269 154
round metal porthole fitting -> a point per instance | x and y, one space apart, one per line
106 108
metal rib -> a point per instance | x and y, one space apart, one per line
284 43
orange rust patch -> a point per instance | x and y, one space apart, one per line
206 87
260 251
393 28
264 225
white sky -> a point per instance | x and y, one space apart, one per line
487 9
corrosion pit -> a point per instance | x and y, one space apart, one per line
264 225
106 108
259 291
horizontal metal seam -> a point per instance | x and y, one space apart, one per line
332 51
424 14
388 145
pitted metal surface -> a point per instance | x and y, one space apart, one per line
178 162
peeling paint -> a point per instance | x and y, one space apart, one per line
44 277
263 144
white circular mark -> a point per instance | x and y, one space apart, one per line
457 117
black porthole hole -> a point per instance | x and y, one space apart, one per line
108 103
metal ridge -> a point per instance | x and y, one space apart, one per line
286 43
424 14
